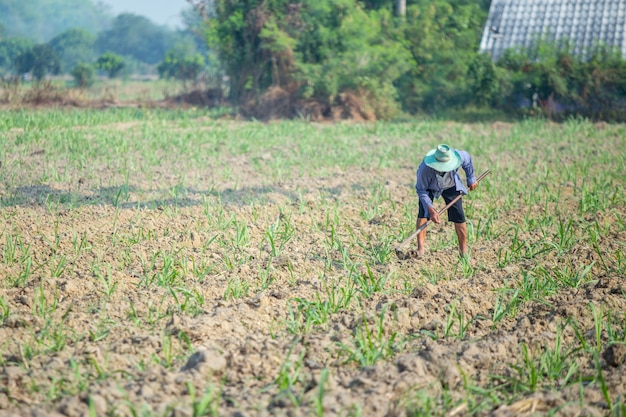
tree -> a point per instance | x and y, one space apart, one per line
11 48
442 37
111 63
74 46
346 48
41 20
401 8
181 67
39 61
323 48
315 48
484 81
83 75
137 37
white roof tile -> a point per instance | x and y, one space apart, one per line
516 23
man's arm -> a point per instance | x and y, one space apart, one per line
421 187
468 167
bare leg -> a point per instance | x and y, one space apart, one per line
461 234
421 237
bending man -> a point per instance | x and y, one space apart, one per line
437 176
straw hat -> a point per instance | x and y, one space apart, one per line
443 159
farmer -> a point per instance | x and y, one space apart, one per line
437 176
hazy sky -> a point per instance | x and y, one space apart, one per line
162 12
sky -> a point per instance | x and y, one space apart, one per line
161 12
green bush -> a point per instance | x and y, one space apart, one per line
110 62
83 75
551 80
181 67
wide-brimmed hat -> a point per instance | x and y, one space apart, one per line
443 159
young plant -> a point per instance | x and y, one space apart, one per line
207 405
5 310
598 315
528 373
42 306
370 345
367 282
289 376
456 319
556 364
318 400
236 288
108 286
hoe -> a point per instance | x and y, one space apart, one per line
408 254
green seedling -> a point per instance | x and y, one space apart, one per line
207 405
367 282
108 286
598 316
556 364
187 301
289 377
42 305
318 400
370 345
456 320
5 310
236 288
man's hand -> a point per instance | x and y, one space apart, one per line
473 186
434 216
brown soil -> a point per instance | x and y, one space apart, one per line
91 330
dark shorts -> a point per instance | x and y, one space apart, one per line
455 212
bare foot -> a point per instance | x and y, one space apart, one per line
402 255
413 254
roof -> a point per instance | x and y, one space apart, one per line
585 23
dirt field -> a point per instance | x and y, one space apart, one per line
259 296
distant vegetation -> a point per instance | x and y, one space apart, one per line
84 32
318 59
42 20
312 57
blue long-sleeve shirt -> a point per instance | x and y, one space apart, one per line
427 180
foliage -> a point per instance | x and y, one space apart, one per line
326 52
442 37
186 59
135 36
234 32
39 61
41 20
350 49
181 67
484 80
111 63
83 29
74 46
316 49
10 49
320 49
547 78
83 75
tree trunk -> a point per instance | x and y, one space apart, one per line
400 8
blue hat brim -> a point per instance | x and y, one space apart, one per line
451 165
